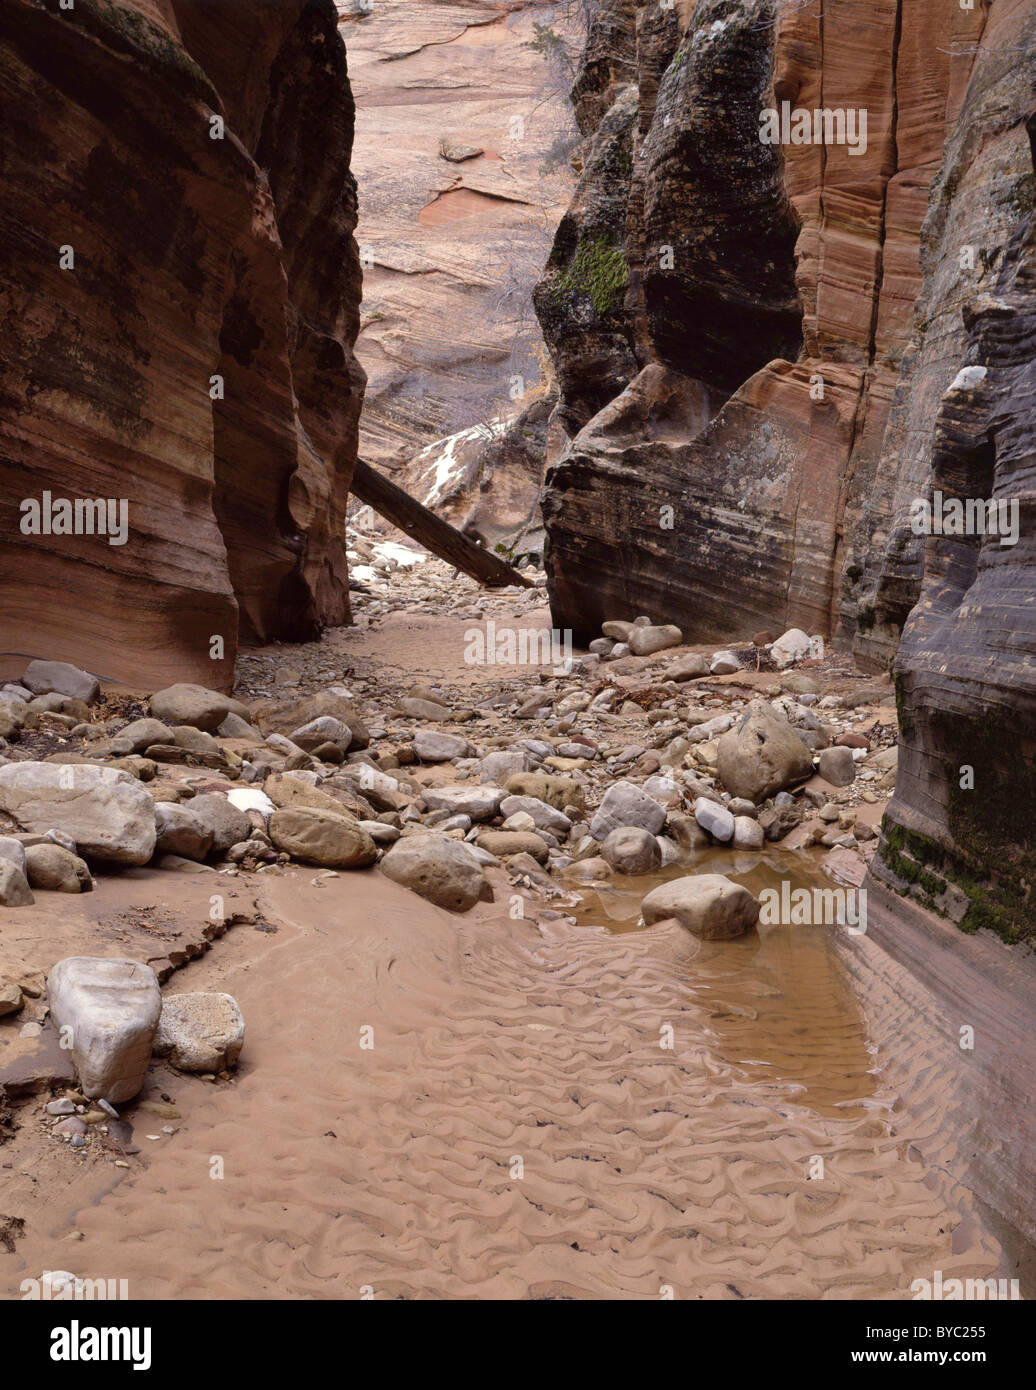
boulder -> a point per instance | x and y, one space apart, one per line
140 734
11 1000
41 677
194 740
791 647
626 804
236 727
55 703
13 850
383 834
798 683
748 833
191 704
886 759
200 1032
708 905
14 886
362 784
323 729
474 800
687 668
106 812
504 843
714 818
544 816
181 832
645 641
762 755
416 708
686 831
322 837
837 766
291 789
591 869
433 747
13 714
495 768
442 870
534 704
617 630
558 792
281 716
724 663
54 868
630 850
110 1009
214 812
710 728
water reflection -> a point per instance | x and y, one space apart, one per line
777 1006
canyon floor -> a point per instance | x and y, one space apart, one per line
553 1103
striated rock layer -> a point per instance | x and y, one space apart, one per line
759 350
463 140
140 259
747 396
959 833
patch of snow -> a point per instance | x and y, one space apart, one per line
403 555
968 377
251 799
444 466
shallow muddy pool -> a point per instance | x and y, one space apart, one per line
779 1005
548 1110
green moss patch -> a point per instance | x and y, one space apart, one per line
598 272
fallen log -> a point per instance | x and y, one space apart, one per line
431 531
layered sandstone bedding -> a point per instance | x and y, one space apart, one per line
180 288
789 302
466 1070
660 928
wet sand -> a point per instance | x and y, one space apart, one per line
516 1130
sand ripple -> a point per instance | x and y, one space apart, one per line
517 1131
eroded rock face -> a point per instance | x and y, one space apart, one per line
741 469
485 480
823 334
462 153
161 259
958 833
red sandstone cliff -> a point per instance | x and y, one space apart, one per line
728 283
194 258
759 350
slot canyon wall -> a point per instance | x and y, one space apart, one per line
464 140
194 258
759 348
464 133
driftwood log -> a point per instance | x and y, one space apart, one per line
431 531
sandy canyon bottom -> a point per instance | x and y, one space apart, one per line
485 1106
516 1129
